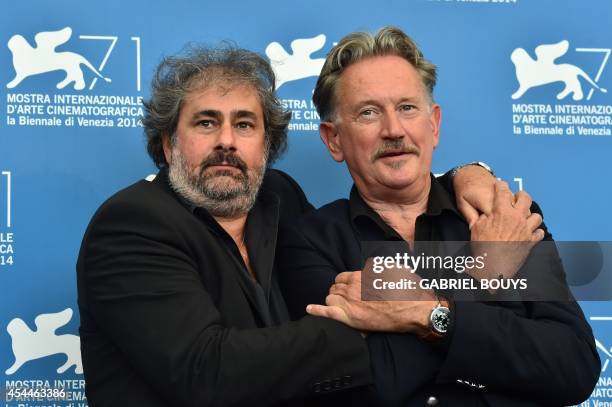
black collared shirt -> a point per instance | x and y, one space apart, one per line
502 354
439 222
260 242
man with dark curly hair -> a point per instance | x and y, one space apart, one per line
177 290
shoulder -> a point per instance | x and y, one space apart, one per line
293 201
142 195
144 220
320 243
134 193
326 226
142 205
335 213
274 179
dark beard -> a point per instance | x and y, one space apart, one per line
214 191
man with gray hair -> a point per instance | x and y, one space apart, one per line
177 290
375 99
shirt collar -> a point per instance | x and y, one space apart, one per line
439 201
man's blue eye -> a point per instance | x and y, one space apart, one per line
367 112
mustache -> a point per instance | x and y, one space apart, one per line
395 147
223 156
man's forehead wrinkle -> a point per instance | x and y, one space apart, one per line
219 89
372 95
224 89
222 81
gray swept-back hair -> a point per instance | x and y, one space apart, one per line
197 68
361 45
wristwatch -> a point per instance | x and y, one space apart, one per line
478 163
439 322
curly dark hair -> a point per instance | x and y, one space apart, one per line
197 67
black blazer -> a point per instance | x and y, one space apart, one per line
167 317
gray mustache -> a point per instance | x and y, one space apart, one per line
396 147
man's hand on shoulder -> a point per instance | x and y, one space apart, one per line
507 234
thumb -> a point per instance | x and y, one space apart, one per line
325 311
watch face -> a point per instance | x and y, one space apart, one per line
440 318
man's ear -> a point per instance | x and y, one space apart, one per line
329 135
167 145
435 118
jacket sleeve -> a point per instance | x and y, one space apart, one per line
144 292
540 350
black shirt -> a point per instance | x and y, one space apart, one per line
262 221
494 354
